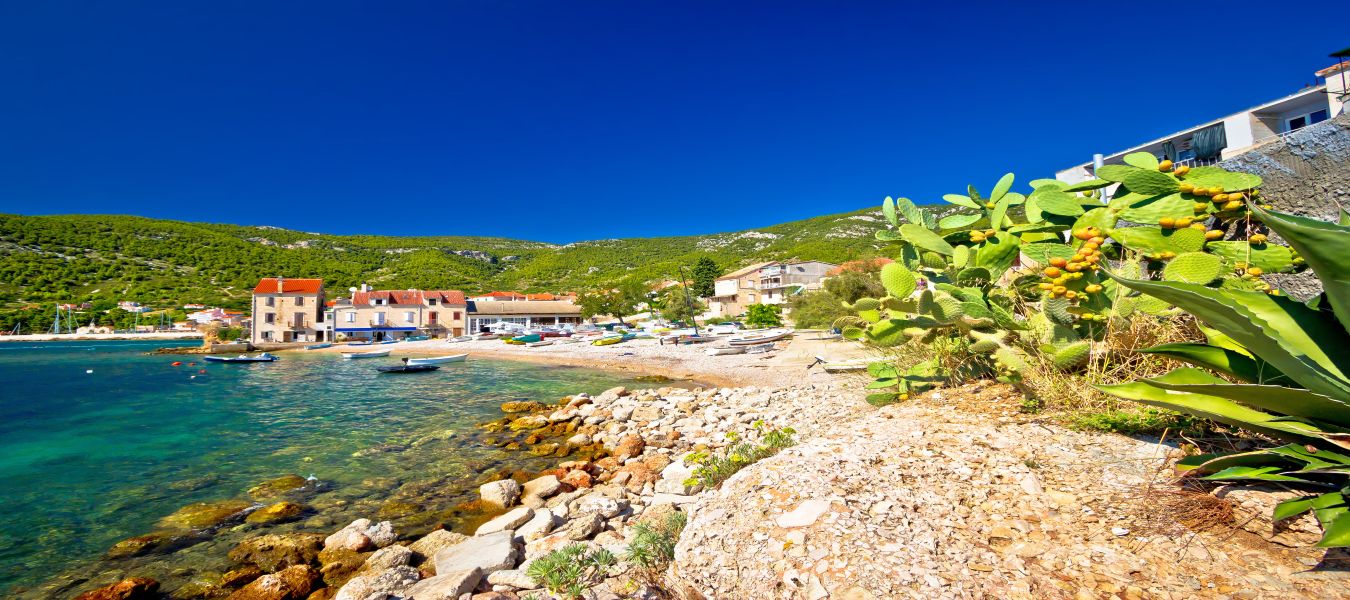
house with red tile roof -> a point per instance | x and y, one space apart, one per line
288 310
396 314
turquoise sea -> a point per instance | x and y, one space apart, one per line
99 440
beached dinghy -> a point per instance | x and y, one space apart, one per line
318 346
436 360
721 350
264 357
539 343
459 339
371 354
760 349
533 337
487 336
844 367
407 369
607 340
759 337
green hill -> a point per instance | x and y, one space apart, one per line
102 258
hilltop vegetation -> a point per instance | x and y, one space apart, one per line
74 258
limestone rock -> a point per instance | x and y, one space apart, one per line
431 543
538 526
291 583
395 581
275 552
206 515
445 587
673 479
629 447
510 520
135 588
805 514
516 578
361 534
519 406
337 565
501 494
281 486
488 553
277 513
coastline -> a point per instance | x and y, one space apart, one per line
85 337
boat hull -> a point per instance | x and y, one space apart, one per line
407 369
375 354
438 360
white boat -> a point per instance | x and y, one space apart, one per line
371 354
487 336
760 349
436 360
720 329
759 337
721 350
539 343
459 339
244 358
844 367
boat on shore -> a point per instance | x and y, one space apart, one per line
608 340
528 338
371 354
264 357
754 338
407 368
436 360
460 339
319 346
845 367
539 343
724 350
759 349
487 336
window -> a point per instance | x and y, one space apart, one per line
270 301
431 317
456 315
299 300
379 302
379 318
351 317
1301 121
267 335
269 318
408 316
431 302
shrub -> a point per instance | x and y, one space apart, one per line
715 468
816 310
653 547
763 315
569 572
1290 360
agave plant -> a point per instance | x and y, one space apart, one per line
1291 368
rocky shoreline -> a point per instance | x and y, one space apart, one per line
956 494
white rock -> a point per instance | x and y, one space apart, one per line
516 578
596 503
488 553
673 478
1120 531
500 493
510 520
542 487
805 514
361 534
393 581
539 526
444 587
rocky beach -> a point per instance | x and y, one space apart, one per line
956 494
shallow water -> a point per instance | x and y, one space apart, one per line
88 459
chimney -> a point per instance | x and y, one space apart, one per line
365 287
280 285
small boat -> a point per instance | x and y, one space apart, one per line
487 336
371 354
436 360
364 343
533 337
319 346
264 357
539 343
844 367
759 337
512 341
721 350
760 349
459 339
609 340
407 368
386 342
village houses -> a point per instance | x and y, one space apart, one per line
288 310
380 315
764 283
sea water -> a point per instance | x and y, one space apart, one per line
99 440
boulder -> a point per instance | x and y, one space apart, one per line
394 581
579 439
577 479
516 578
242 576
488 553
583 527
155 542
600 504
361 534
673 479
519 406
433 542
135 588
501 494
646 412
542 487
205 515
611 395
510 520
630 446
337 565
281 486
538 526
386 558
277 513
275 552
528 422
445 587
291 583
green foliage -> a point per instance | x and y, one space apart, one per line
763 315
624 299
1290 360
705 274
677 304
850 285
1150 421
712 469
653 547
817 309
568 573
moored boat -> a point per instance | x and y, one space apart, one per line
721 350
759 337
407 368
533 337
319 346
436 360
371 354
539 343
264 357
459 339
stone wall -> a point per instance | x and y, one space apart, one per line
1306 173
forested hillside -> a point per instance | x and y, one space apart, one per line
76 258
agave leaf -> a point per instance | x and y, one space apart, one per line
1273 398
1223 360
1217 338
1290 336
961 200
1214 408
1201 464
1292 507
1004 184
1142 160
1257 473
1326 248
1344 219
1331 511
925 238
888 210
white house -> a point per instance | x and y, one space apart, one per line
1209 143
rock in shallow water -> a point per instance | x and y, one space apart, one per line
275 552
361 534
500 493
291 583
155 542
280 512
278 487
205 515
135 588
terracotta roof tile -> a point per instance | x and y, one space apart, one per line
290 286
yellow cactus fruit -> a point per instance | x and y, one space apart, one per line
1092 288
1089 246
1255 271
1071 294
1199 191
1061 280
1240 265
989 205
1169 254
1052 272
1232 205
1186 188
1201 207
1074 267
1184 222
1078 275
977 237
1165 166
1257 238
1058 262
1098 240
990 233
1094 259
1217 198
1182 170
1213 234
1059 289
1166 222
1082 234
1045 285
1198 226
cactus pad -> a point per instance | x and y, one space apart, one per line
933 260
1071 356
866 304
1193 267
1149 210
898 281
1153 240
1151 183
1057 309
1269 257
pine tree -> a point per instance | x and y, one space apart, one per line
705 274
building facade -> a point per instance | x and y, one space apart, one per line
1211 142
527 313
396 314
779 280
736 290
288 310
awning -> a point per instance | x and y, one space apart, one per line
373 329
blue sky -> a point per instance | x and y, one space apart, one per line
560 121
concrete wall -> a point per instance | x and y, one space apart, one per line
1306 173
